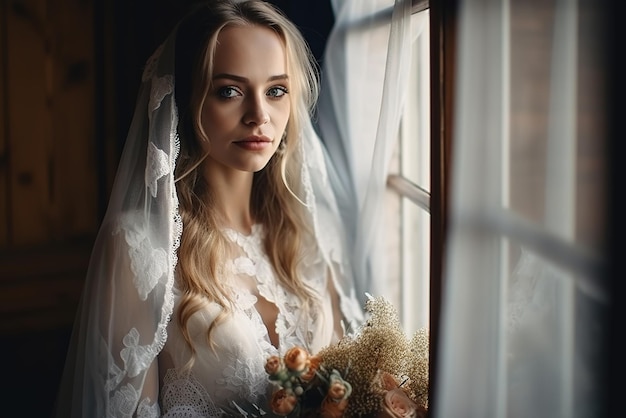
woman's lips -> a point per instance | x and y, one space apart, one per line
254 143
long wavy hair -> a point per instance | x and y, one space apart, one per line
275 201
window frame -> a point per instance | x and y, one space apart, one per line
443 22
443 17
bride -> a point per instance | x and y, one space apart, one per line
220 246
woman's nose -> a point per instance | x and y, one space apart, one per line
256 113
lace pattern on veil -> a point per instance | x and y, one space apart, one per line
151 263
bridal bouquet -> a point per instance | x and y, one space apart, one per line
376 371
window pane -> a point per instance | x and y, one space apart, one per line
408 224
524 303
415 135
557 163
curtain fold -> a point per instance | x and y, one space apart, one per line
521 335
364 75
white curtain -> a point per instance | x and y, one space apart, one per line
525 297
364 78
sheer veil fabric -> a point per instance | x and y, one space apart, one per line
128 297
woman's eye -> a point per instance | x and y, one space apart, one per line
277 91
228 92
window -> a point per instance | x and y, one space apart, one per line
526 298
409 192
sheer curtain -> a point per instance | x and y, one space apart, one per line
525 293
364 75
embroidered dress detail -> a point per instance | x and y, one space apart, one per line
255 264
146 409
184 396
233 371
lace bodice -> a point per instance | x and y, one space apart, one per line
232 375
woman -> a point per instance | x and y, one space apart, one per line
220 246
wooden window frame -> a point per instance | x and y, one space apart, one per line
443 23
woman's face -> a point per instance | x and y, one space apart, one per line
246 110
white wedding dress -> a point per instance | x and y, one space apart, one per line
232 375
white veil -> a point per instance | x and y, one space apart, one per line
111 367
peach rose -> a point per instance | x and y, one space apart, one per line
272 365
396 404
296 359
387 381
331 408
283 402
338 388
312 366
337 391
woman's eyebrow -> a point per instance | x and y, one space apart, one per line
226 76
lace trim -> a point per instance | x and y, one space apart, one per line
161 87
124 402
176 233
147 263
256 264
247 377
137 358
183 396
157 166
146 410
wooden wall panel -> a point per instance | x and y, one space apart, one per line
50 92
73 197
29 120
4 233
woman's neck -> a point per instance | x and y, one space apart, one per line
231 192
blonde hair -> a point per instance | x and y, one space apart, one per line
276 192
